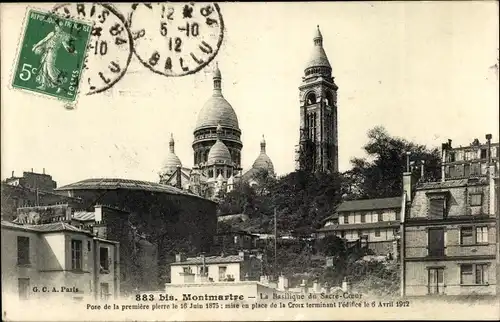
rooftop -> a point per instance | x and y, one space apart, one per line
370 204
126 184
45 228
211 260
373 225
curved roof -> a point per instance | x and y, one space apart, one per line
126 184
171 163
219 152
263 161
318 58
217 111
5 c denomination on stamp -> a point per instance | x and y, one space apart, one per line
51 57
176 39
110 47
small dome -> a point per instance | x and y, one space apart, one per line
172 161
263 162
219 153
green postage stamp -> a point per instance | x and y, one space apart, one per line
52 55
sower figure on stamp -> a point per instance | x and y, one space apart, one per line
49 75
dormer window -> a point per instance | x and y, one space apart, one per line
437 204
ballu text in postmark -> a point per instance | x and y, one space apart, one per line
51 57
110 47
176 39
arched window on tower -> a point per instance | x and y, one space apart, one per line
329 99
311 98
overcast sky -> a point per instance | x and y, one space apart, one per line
425 71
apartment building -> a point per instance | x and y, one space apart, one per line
216 269
374 221
57 260
450 227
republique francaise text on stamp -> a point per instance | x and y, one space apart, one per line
110 46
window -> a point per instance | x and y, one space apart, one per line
452 171
483 154
466 170
475 170
363 217
466 236
103 259
481 274
476 199
436 242
203 270
398 215
481 235
222 272
377 232
346 219
452 156
76 254
436 281
380 217
187 270
436 208
466 274
89 246
474 274
23 288
23 250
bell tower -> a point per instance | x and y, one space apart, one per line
318 145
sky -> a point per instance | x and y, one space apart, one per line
423 70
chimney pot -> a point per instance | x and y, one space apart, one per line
488 137
12 174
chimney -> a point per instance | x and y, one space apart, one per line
407 179
43 170
180 257
282 283
444 150
422 169
31 170
178 183
488 139
12 174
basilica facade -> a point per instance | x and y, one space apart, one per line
216 149
217 144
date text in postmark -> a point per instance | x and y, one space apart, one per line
51 57
110 47
176 39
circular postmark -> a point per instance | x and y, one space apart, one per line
176 39
110 47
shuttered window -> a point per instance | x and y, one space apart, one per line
436 208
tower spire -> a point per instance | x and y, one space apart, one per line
217 77
171 143
318 38
263 144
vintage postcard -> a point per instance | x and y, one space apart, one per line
202 161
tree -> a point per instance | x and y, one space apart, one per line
382 176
